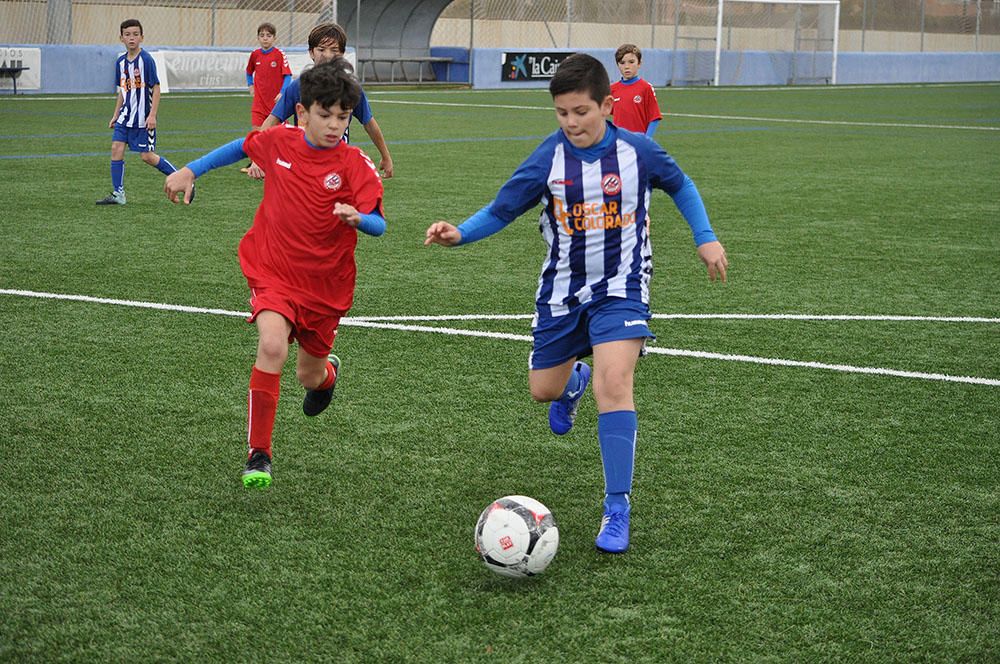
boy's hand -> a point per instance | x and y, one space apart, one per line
385 165
714 256
150 122
347 213
443 233
254 171
181 180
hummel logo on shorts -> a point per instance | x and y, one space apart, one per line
633 323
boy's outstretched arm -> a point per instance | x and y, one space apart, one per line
482 224
443 233
182 180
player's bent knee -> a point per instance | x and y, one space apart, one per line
544 393
310 378
273 350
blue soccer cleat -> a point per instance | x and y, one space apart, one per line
562 412
613 537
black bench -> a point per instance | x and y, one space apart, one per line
13 73
401 61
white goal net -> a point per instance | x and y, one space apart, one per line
715 39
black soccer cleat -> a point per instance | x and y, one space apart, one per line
258 471
316 401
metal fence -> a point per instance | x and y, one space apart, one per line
865 25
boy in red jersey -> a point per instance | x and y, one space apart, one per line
268 74
298 257
635 106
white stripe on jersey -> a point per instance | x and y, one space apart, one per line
628 172
594 255
560 286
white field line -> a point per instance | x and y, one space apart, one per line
821 317
741 118
838 123
738 118
382 323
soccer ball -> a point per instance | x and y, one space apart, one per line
516 536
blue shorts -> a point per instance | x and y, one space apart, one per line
563 338
138 139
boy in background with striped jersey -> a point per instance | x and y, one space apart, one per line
594 182
134 119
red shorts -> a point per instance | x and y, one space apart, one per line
314 331
258 114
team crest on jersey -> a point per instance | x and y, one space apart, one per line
333 181
611 184
637 99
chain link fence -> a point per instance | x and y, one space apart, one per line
865 25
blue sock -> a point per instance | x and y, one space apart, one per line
616 432
573 384
118 174
165 166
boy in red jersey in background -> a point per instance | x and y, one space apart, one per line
298 257
268 74
635 106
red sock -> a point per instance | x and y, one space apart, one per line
331 376
262 404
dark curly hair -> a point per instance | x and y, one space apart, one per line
330 83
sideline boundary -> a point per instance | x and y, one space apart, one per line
383 323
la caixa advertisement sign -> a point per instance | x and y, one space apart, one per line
520 66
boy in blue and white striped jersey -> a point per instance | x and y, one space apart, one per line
134 119
594 182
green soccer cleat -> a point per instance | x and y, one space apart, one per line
258 471
116 197
316 401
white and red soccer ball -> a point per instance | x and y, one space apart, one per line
516 536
